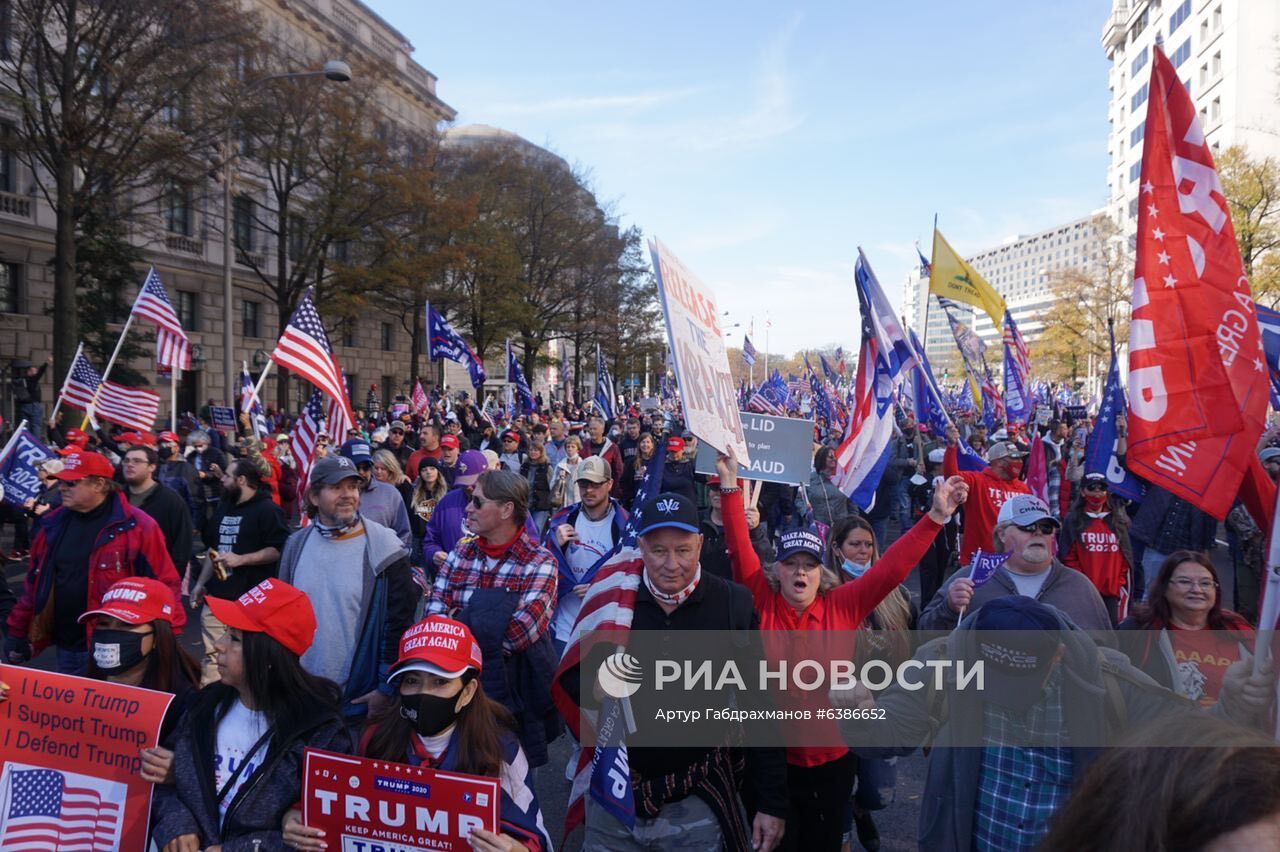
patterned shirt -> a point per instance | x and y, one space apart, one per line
1021 786
527 568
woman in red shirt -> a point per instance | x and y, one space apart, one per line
799 593
1095 541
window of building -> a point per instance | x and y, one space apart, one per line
1204 74
1138 26
340 250
1182 54
186 308
177 209
1217 20
1139 97
388 337
1215 109
1133 208
1215 65
10 284
1179 15
1135 171
1138 61
8 160
297 237
1204 32
348 332
1135 135
6 28
242 222
250 313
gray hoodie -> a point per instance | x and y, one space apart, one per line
1065 588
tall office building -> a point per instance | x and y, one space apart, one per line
1226 53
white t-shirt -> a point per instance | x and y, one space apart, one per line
1028 585
595 539
238 731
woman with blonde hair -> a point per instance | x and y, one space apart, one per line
565 490
386 468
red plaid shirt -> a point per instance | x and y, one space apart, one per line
527 568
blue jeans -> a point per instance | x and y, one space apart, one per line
72 661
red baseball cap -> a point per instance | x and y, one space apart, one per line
136 600
675 444
78 464
169 436
450 441
78 438
137 439
272 607
439 646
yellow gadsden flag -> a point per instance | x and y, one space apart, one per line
952 278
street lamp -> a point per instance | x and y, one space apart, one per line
334 70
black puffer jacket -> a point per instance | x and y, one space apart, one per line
190 804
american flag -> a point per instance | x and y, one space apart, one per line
338 417
304 437
421 405
605 397
133 407
46 813
748 351
172 347
609 605
304 349
249 404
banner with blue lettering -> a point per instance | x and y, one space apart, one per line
18 467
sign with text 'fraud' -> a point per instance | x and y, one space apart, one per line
781 450
697 347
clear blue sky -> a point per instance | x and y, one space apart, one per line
764 142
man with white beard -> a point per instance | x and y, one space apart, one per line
1027 531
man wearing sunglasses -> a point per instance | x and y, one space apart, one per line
1027 531
988 489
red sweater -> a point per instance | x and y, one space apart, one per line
1096 554
987 494
843 608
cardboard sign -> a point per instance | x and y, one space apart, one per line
70 758
781 450
18 477
697 348
223 417
364 805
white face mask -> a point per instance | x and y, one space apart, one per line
854 569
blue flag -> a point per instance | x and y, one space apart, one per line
444 342
18 467
748 351
984 565
1269 325
821 401
931 410
1017 373
1100 452
249 404
515 376
605 396
831 375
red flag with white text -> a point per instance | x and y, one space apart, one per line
1198 386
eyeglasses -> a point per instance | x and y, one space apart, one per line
481 502
1044 527
1096 486
1186 584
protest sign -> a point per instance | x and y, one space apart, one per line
1075 413
222 417
781 450
697 348
18 479
70 761
365 804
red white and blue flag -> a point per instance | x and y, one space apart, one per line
748 351
172 347
418 400
1017 373
304 349
884 362
49 810
135 408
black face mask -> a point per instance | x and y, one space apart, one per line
116 651
429 714
165 452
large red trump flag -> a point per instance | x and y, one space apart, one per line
1197 372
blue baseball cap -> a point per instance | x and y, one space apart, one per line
667 510
796 541
357 450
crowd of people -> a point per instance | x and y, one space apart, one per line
316 585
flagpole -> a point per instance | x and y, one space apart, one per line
111 363
173 397
65 382
13 439
262 379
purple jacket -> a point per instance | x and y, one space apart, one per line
445 527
